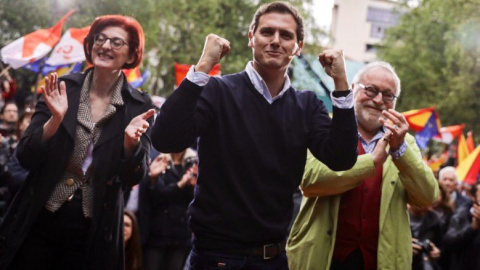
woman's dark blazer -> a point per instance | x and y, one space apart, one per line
112 173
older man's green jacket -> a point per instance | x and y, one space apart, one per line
405 180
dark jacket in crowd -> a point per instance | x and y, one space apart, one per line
46 162
460 200
16 174
6 150
461 243
444 215
164 208
429 230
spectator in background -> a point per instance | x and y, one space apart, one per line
133 248
29 104
443 207
22 124
448 177
8 87
462 239
8 142
427 238
16 173
164 199
8 139
9 118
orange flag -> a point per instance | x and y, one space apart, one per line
468 170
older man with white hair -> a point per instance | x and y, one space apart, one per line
357 219
449 179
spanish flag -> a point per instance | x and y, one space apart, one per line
418 118
462 149
426 124
468 169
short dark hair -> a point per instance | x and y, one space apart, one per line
279 7
136 36
2 110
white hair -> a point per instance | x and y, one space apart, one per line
379 64
448 169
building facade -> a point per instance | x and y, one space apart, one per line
358 26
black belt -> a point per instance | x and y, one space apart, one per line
267 252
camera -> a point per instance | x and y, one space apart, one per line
425 244
190 161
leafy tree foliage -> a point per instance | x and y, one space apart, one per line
175 29
436 52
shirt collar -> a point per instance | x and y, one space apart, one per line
375 138
261 86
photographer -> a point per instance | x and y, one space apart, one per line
164 199
462 239
426 232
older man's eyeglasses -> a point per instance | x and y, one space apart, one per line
372 91
115 42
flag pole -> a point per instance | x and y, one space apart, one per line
4 71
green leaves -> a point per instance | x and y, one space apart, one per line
175 30
436 52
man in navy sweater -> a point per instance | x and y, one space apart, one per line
253 131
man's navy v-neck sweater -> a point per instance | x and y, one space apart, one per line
251 155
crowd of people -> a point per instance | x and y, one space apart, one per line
446 234
96 177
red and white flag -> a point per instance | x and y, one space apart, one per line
33 46
70 48
449 133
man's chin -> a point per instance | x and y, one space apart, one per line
372 123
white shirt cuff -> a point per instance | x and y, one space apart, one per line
399 152
198 78
343 102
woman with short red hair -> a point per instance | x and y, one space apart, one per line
88 139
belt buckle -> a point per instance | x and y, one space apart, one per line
265 247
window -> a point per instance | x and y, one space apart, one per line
378 30
371 48
381 20
382 15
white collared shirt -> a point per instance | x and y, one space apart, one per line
369 146
201 79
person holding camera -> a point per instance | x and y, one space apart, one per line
164 199
462 239
426 229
